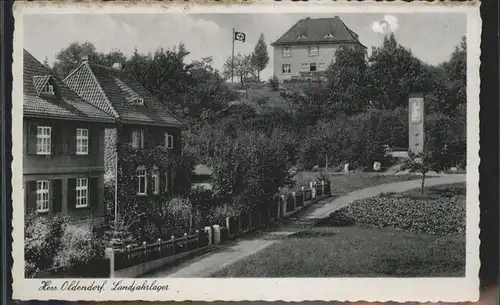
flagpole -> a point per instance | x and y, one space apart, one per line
232 60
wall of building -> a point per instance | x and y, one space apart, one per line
63 157
63 165
299 55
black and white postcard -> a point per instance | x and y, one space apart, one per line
266 151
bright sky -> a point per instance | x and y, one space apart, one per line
431 36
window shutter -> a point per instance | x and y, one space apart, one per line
32 132
71 193
56 195
161 176
62 143
136 182
149 182
30 193
55 141
72 141
94 193
93 141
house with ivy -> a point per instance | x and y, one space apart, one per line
63 147
144 148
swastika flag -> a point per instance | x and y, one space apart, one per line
239 36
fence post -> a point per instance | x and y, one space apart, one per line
216 234
313 190
228 226
208 230
283 202
294 201
303 197
186 240
159 245
323 187
250 220
145 245
110 254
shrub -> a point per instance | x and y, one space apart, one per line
79 246
42 242
444 215
274 83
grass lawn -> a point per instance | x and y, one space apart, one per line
355 252
345 183
361 251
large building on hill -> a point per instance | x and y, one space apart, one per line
309 47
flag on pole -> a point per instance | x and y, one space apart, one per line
239 36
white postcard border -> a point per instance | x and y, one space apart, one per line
268 289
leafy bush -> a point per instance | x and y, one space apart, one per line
274 83
42 242
444 215
80 245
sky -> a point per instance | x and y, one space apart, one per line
431 37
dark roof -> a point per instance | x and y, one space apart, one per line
322 30
64 104
114 91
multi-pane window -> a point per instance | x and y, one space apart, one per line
141 177
82 192
42 196
314 51
138 138
43 140
304 66
312 67
139 101
48 89
82 141
286 68
156 182
286 52
169 140
322 66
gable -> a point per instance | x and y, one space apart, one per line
41 82
117 93
59 101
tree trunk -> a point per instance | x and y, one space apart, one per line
258 75
423 184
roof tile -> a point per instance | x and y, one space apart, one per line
322 30
64 104
115 91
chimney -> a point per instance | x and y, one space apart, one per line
85 58
117 66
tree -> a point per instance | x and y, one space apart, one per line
456 76
260 57
347 79
240 66
444 147
70 58
393 74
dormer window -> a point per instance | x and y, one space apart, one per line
302 36
48 89
139 101
329 35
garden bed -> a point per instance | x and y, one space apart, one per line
440 210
